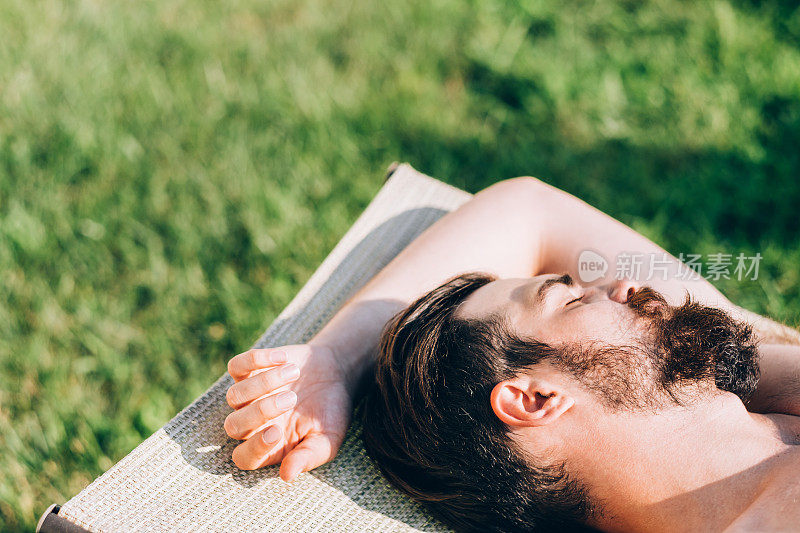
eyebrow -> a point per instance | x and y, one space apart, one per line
547 284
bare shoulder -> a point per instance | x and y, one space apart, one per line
777 507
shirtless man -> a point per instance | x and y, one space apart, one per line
607 403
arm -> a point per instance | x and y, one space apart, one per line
571 226
494 232
515 228
779 386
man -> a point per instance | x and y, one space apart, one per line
521 397
516 403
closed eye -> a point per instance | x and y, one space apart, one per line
573 301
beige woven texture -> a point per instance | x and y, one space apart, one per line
182 479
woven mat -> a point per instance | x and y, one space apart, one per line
182 479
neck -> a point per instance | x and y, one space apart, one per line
687 468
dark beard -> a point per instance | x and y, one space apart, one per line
692 343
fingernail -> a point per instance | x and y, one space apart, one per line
290 372
286 399
271 434
271 358
293 474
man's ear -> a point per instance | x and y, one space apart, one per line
524 401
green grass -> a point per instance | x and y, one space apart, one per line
172 172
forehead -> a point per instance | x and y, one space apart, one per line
501 296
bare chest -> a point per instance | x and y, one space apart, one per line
777 508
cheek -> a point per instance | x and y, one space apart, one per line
605 323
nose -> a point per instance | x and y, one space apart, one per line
620 290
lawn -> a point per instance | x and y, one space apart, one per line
172 172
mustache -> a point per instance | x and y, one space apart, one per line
696 341
649 303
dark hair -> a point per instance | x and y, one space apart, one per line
429 425
695 342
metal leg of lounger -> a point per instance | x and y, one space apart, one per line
50 522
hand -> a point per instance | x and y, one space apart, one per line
292 405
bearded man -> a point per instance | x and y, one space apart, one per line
507 395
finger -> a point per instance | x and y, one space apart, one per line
256 386
239 424
255 451
313 451
240 366
243 365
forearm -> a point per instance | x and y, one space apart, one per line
515 228
495 232
571 226
778 388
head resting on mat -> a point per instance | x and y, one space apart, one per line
491 395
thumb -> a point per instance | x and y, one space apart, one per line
315 450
